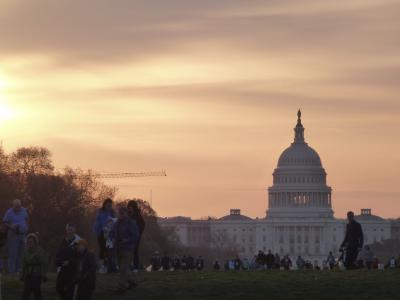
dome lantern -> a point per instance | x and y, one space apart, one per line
299 130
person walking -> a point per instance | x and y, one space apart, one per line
86 271
16 220
331 260
34 268
66 263
135 214
104 214
125 234
353 241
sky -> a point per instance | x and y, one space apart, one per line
207 90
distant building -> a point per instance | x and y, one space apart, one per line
299 219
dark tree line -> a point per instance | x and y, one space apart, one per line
54 199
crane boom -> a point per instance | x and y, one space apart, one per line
129 175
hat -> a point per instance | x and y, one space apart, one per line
34 237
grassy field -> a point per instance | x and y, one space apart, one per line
242 285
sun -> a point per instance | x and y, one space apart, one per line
6 112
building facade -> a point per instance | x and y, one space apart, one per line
299 219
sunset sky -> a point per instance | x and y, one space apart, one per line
208 90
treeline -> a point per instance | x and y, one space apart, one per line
55 198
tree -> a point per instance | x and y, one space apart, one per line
31 161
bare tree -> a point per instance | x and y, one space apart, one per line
31 161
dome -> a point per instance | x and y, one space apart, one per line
299 154
235 215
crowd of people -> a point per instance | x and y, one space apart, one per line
166 263
118 235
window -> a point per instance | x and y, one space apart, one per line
264 238
281 239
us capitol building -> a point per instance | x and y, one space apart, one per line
299 219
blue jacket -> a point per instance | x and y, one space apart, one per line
102 217
125 234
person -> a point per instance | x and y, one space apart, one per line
16 219
392 264
165 262
368 257
125 234
237 264
331 260
66 263
286 262
34 268
3 242
261 259
86 271
277 261
216 265
269 259
156 261
176 264
300 263
136 215
199 263
190 262
103 215
353 241
110 251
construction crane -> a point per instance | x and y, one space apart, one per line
129 175
117 175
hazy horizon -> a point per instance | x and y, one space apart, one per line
208 91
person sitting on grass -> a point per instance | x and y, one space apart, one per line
34 268
86 271
125 234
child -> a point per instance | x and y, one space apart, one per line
34 268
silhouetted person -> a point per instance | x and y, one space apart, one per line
200 263
86 271
300 263
66 262
135 214
269 259
331 261
125 234
103 215
165 262
217 266
353 241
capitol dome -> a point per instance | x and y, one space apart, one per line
299 182
299 154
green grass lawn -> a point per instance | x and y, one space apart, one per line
242 285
